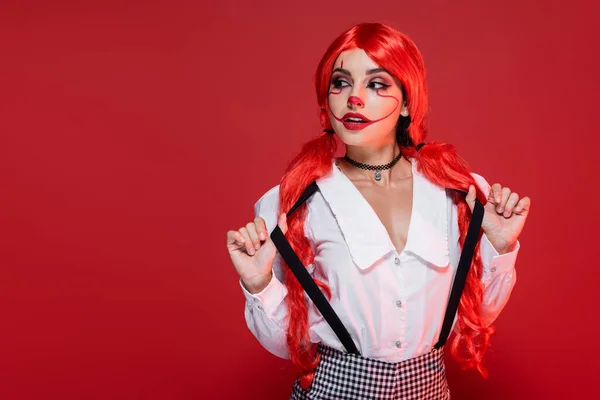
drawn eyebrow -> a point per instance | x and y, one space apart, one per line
376 70
343 71
369 72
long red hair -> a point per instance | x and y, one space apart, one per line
438 162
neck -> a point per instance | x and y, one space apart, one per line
375 156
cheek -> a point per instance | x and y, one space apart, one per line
382 103
336 100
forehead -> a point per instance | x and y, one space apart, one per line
355 60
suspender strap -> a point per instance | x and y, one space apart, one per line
307 282
320 301
461 273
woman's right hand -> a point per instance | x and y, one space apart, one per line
252 252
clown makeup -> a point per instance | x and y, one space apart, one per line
364 100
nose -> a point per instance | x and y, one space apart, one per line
355 101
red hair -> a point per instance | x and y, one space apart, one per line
438 162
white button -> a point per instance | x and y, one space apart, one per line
398 343
397 261
398 303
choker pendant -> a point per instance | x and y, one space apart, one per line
376 168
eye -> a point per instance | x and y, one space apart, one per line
378 85
339 83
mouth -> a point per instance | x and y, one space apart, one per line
355 118
355 121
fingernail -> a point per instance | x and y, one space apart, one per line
257 247
251 251
262 236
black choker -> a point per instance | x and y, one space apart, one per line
376 168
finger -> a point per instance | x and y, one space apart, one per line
247 241
261 228
471 196
282 222
505 196
523 205
253 235
513 199
235 239
495 193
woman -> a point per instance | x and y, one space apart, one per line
380 231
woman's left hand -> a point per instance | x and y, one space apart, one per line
504 216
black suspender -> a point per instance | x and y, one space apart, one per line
320 301
307 282
461 273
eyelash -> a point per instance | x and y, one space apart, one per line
336 83
383 85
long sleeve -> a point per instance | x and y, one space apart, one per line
499 277
266 312
265 315
499 274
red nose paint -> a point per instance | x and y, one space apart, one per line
355 101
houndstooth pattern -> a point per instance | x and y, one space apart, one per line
346 376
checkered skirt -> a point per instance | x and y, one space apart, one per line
342 375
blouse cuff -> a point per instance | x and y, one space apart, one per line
269 298
494 262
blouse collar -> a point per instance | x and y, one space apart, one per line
365 234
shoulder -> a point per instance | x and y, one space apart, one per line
480 180
482 183
269 199
267 207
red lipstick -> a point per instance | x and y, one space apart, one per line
354 121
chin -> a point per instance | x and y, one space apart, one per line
352 138
360 137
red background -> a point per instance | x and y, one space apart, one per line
134 135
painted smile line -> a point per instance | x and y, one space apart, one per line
357 121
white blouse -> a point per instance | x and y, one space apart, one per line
391 303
